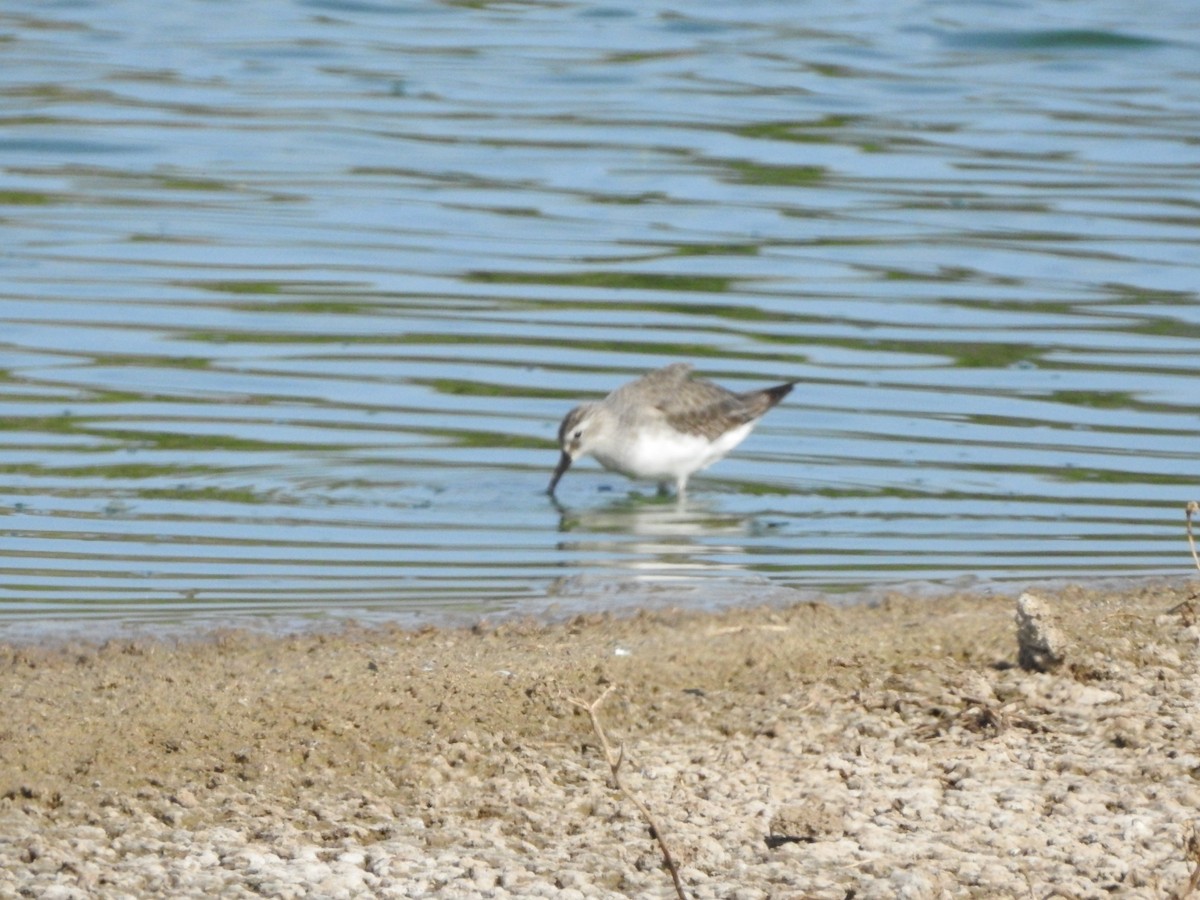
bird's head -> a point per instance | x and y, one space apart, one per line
576 437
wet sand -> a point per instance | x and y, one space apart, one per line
895 750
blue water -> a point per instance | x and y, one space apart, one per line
294 296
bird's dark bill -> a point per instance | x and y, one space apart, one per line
564 463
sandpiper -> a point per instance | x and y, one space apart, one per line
663 426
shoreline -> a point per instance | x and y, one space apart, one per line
583 597
807 750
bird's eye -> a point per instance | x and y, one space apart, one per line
578 434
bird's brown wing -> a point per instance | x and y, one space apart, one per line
703 408
696 406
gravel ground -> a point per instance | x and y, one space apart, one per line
882 751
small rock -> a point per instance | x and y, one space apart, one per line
168 815
813 821
185 798
974 687
61 892
1041 646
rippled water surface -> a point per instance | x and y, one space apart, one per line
294 295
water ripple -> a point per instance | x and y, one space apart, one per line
295 298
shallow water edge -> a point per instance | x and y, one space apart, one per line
575 597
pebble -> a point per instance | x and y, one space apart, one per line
1041 645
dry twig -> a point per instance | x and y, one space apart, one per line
1191 846
738 629
614 759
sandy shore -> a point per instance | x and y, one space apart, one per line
811 751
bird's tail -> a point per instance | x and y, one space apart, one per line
777 393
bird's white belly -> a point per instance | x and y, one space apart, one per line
662 454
